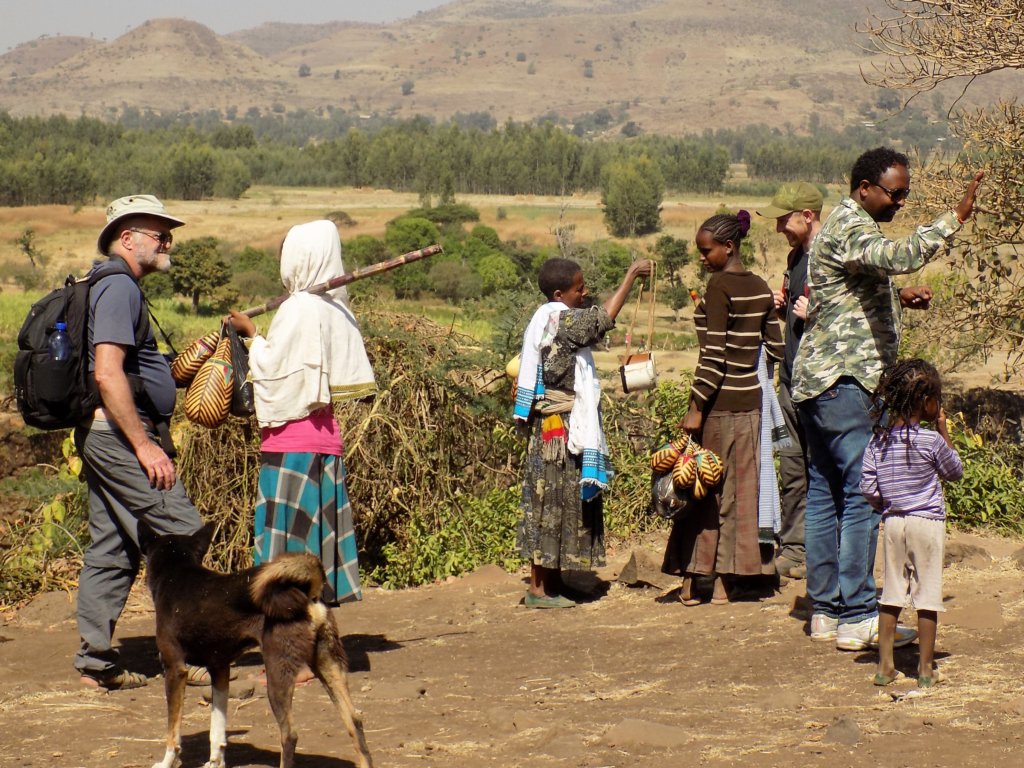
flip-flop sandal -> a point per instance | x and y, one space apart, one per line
547 601
122 680
690 601
936 678
882 680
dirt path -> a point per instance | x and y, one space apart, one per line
459 675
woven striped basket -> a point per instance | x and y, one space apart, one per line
187 364
208 397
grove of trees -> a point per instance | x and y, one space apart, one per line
210 154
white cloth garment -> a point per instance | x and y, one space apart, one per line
586 437
530 382
313 353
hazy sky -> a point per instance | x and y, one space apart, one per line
23 20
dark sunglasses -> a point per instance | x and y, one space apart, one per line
164 238
894 194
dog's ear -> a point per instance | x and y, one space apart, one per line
147 538
202 538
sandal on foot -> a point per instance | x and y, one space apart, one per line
936 678
686 596
121 680
881 679
547 601
195 675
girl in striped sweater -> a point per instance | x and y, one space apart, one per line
719 536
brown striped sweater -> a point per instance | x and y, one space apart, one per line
735 316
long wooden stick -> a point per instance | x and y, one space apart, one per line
348 277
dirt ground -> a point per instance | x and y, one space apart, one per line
460 674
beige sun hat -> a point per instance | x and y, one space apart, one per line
133 205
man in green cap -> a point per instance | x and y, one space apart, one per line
796 209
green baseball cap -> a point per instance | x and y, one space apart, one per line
799 196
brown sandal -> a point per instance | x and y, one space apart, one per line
686 593
122 680
722 599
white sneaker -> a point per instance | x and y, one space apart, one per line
861 635
904 636
857 635
823 627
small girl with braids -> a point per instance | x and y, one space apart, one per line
719 538
903 464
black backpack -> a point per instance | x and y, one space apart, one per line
60 394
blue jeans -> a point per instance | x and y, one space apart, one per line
841 528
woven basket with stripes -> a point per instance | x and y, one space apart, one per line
187 364
208 397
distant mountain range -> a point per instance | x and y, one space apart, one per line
669 66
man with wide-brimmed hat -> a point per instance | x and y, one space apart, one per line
128 470
796 209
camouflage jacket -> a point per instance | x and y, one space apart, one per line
853 319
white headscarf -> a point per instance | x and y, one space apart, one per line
313 352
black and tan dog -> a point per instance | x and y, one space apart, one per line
209 619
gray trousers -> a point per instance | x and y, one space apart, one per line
793 472
119 497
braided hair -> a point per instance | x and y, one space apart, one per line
724 227
902 390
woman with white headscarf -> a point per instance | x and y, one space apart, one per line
311 357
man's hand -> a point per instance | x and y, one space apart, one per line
916 297
157 465
800 307
966 206
779 297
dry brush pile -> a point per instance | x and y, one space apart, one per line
432 461
429 438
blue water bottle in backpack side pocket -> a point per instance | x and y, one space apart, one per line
59 343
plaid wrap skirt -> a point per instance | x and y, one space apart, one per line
302 506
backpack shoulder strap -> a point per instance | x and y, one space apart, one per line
115 265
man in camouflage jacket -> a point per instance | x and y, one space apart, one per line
852 333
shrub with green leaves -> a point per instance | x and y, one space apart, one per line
991 492
43 551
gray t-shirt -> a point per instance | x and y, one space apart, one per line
115 304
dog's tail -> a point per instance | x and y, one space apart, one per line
284 587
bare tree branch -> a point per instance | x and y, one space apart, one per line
927 42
